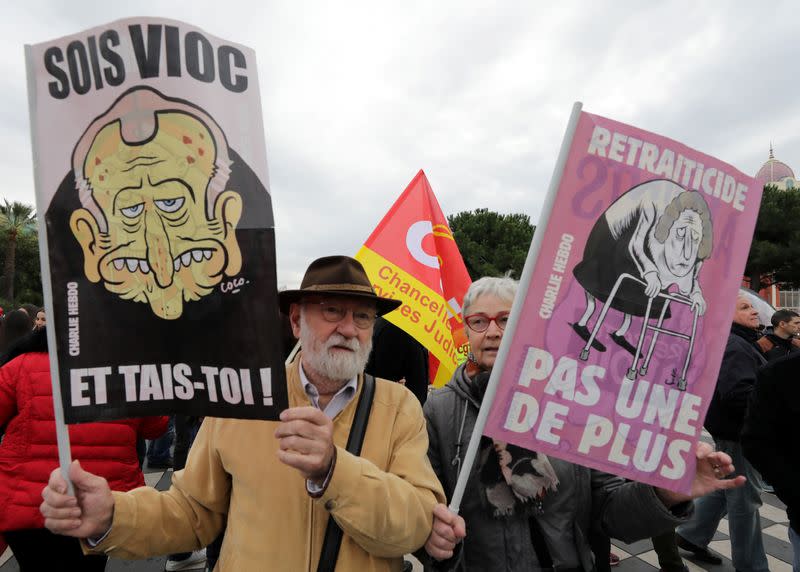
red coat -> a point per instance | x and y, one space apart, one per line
28 452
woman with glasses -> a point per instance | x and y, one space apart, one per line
522 510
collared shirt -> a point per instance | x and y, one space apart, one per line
338 402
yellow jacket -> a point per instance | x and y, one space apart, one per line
383 500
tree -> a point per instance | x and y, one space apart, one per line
775 250
17 222
28 274
491 243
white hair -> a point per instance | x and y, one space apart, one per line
504 288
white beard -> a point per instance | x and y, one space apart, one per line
338 366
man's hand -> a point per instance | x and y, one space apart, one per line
653 286
306 442
712 468
86 515
448 530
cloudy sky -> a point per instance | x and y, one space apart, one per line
358 96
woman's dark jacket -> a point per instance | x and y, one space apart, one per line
628 511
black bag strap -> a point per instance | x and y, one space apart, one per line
333 533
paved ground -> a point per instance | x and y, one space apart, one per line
636 557
640 557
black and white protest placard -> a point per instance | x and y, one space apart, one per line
152 182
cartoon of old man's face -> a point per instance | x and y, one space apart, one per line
161 241
683 243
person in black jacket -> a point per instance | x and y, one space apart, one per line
769 437
737 377
397 356
781 341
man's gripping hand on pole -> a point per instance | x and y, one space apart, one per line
86 515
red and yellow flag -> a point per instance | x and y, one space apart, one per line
412 256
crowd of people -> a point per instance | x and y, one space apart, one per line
18 324
359 470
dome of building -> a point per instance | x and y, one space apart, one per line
773 171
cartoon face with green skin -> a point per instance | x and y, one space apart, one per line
160 241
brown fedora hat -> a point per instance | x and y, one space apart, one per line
339 276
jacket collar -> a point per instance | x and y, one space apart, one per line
748 334
779 341
299 398
36 341
459 383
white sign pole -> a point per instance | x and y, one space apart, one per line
62 435
524 283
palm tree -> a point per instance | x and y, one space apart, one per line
16 220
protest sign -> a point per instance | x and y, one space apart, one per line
621 323
157 228
412 256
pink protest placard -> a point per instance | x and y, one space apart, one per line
620 336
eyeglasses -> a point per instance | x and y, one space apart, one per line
480 322
333 312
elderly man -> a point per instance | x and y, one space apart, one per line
277 512
736 381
